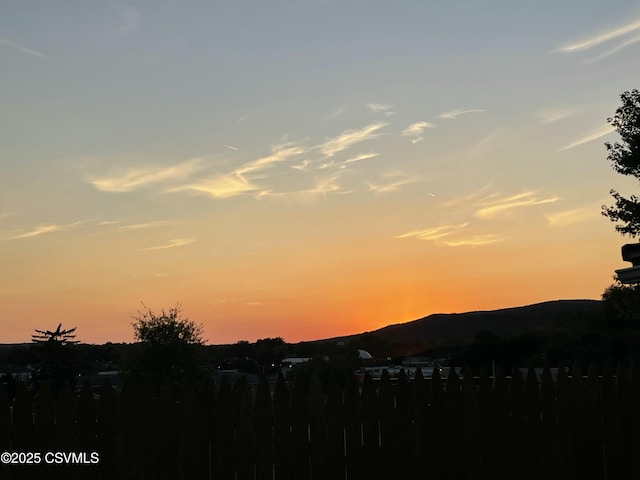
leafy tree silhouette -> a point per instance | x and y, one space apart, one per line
622 302
625 159
169 346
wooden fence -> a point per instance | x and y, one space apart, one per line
483 428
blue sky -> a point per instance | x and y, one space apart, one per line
305 169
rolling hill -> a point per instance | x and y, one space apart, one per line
448 328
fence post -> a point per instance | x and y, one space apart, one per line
548 428
22 430
453 408
244 458
128 431
531 440
192 435
471 427
353 429
107 442
335 430
263 431
149 419
421 450
318 440
300 428
44 427
404 463
222 454
438 434
388 461
85 431
370 434
592 457
282 430
501 453
207 407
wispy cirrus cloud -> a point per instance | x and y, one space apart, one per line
36 232
493 206
381 107
593 135
393 185
21 48
242 179
474 240
554 114
220 186
279 153
415 130
176 242
450 236
433 233
601 38
351 137
360 157
614 50
452 114
126 180
142 226
569 217
467 199
322 187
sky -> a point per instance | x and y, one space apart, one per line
305 168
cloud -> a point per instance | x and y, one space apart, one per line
360 157
303 166
467 198
491 208
474 241
391 186
593 135
415 130
615 49
554 114
279 153
433 233
21 48
379 107
141 226
350 138
569 217
452 114
41 230
176 242
221 186
134 178
601 38
322 187
241 180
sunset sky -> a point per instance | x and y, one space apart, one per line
304 168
